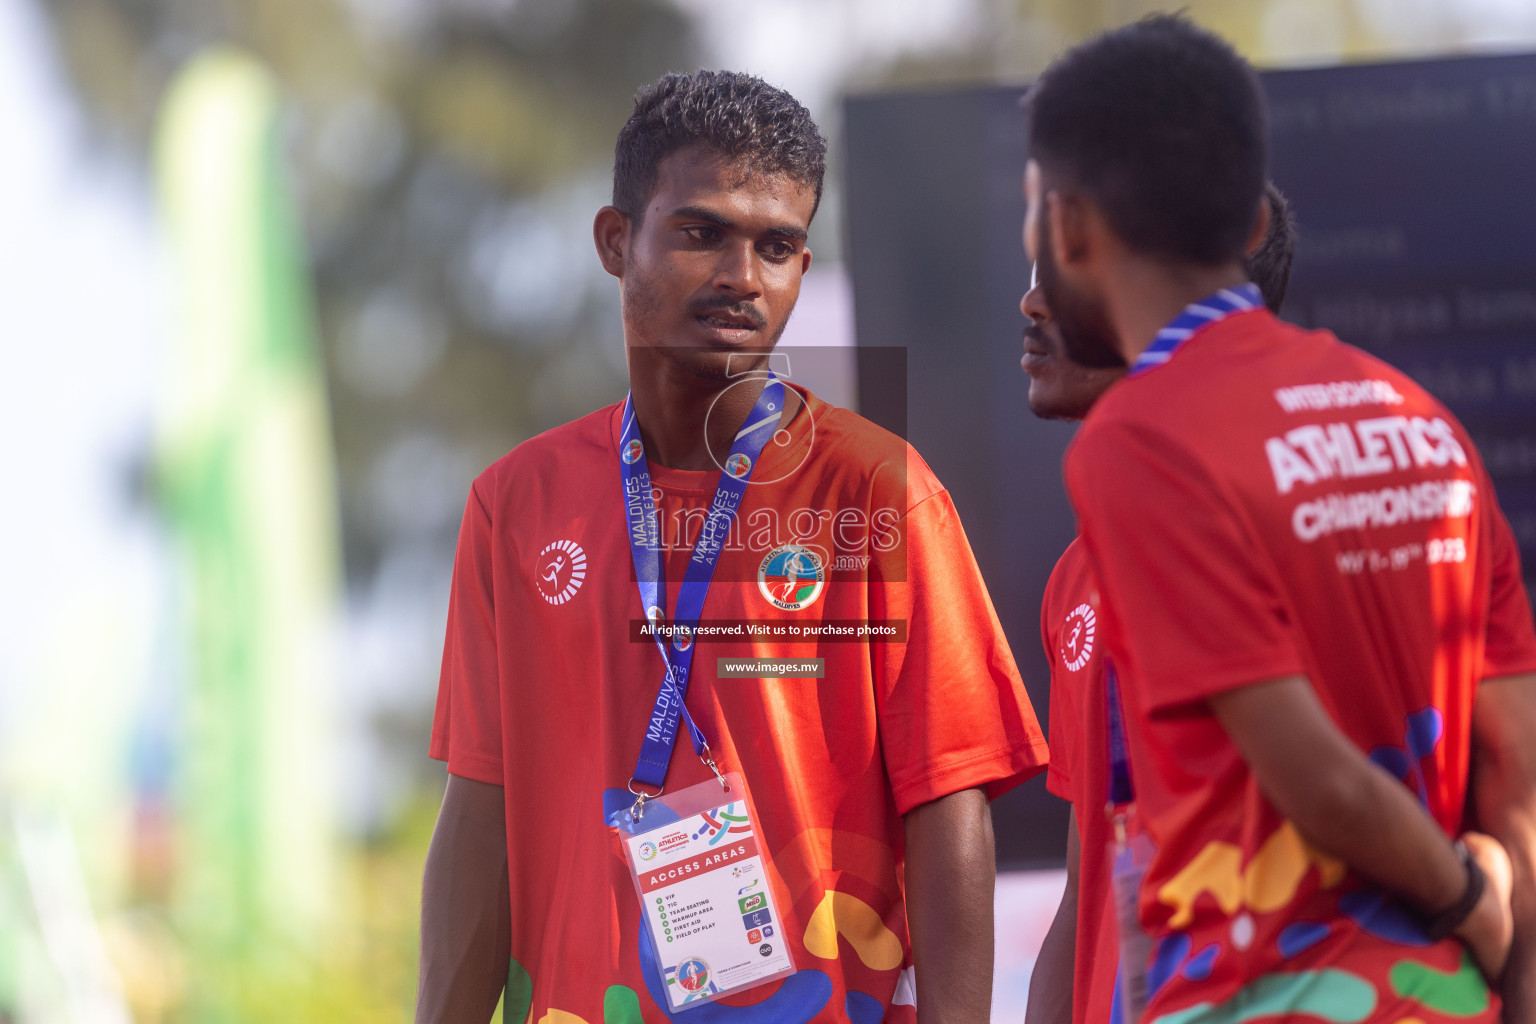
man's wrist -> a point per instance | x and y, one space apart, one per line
1450 920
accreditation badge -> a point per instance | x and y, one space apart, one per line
704 896
1130 855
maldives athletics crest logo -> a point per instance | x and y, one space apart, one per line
632 451
791 577
738 465
561 568
693 974
1077 636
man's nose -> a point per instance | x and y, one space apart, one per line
1033 305
737 270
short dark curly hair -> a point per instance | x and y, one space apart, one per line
739 116
1162 124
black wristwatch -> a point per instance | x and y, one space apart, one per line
1451 918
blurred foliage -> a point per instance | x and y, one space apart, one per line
437 148
366 973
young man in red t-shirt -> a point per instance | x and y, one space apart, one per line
869 784
1311 601
1075 975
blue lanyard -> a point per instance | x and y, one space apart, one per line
1121 792
644 528
1214 307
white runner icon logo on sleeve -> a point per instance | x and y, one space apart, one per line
561 568
1077 636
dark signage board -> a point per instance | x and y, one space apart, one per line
1414 188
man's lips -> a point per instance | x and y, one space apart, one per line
727 321
1035 353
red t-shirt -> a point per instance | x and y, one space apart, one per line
1271 502
1079 769
546 691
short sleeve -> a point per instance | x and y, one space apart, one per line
466 726
1062 716
953 713
1196 605
1510 647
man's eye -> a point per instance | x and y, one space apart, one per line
778 250
703 233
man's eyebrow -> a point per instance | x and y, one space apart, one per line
789 231
701 213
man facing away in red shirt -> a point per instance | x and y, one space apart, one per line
1074 976
1311 601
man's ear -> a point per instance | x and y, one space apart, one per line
1260 227
1066 218
610 233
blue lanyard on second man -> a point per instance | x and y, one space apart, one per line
1216 306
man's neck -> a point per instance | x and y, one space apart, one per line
1145 296
688 422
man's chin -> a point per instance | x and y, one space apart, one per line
707 363
1052 408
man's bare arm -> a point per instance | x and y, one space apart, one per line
1050 987
466 931
1503 800
1347 807
951 874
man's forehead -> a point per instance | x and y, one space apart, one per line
698 176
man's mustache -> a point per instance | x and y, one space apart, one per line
742 310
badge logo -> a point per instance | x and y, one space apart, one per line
682 639
647 851
562 567
1077 636
632 451
738 465
791 577
692 974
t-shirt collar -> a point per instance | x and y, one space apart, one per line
801 431
1201 313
